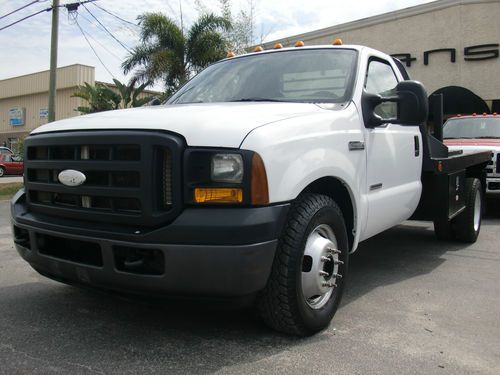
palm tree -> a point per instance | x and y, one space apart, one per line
130 94
103 98
99 98
165 53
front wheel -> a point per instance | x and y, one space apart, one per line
309 269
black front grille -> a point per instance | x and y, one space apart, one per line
497 161
131 177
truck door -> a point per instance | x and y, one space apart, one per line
394 158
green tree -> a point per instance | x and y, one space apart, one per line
130 94
241 36
99 98
169 54
103 98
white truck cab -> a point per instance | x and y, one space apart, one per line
258 177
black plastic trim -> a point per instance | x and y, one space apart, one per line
194 226
151 212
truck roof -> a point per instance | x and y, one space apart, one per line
319 46
475 116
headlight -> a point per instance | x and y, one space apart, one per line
227 168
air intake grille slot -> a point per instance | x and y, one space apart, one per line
126 182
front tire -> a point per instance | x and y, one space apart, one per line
309 270
2 171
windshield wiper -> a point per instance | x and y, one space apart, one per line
488 136
256 100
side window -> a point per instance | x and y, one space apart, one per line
381 80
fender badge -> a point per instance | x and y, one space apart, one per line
70 177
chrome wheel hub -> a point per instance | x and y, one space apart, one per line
320 266
477 211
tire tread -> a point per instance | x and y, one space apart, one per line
275 305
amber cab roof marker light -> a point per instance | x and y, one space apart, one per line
337 42
258 49
299 43
278 46
230 54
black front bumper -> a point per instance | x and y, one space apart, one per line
205 251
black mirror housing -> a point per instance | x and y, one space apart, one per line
412 103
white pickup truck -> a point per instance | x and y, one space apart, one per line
258 178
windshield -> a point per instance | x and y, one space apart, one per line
309 76
479 127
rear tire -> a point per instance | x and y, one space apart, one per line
2 171
468 223
309 270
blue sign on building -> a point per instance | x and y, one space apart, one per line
16 116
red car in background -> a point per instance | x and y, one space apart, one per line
474 133
10 164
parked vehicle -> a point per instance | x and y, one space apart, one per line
10 164
5 150
258 178
477 133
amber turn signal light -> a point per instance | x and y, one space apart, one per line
260 191
218 195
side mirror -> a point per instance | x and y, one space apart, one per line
155 101
413 105
410 100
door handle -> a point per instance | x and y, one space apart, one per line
356 145
417 145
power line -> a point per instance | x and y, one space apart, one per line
96 40
92 48
71 6
24 6
114 15
109 32
25 18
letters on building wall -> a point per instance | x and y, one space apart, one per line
471 53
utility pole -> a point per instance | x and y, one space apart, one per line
53 60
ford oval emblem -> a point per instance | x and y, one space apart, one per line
70 177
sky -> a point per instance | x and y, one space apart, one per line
25 47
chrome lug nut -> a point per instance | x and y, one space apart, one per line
325 259
329 285
334 251
324 273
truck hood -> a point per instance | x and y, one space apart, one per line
205 124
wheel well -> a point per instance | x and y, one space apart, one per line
335 189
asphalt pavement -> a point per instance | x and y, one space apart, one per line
414 305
